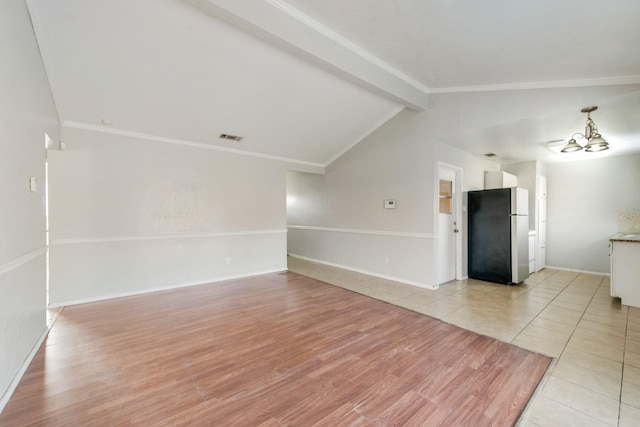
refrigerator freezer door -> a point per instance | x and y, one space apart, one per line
519 201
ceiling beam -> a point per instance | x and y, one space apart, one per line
286 28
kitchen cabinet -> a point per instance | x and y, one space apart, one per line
625 268
532 252
499 179
542 186
542 224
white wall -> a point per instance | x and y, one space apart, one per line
359 233
473 168
527 179
130 215
583 202
26 113
398 161
305 199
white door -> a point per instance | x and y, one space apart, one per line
448 224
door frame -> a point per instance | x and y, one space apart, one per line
457 212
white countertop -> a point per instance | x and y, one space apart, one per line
625 237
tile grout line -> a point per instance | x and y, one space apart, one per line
555 360
583 312
624 355
565 346
544 308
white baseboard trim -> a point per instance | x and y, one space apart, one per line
367 272
160 289
23 368
599 273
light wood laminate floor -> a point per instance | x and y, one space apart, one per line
595 379
274 350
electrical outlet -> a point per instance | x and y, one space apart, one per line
386 260
227 260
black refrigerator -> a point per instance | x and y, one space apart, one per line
498 232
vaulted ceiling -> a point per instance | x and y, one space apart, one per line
306 80
448 44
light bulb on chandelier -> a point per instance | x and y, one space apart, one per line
595 141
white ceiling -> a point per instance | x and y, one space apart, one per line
464 43
164 68
542 137
305 80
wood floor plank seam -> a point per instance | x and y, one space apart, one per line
273 350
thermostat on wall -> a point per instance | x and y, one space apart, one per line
389 204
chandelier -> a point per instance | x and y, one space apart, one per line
595 142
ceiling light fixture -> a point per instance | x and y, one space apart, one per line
595 142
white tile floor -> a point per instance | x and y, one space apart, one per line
595 377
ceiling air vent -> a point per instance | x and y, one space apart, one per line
230 137
490 155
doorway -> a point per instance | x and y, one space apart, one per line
449 231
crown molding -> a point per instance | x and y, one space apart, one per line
371 129
606 81
149 137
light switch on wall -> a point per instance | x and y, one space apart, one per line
32 184
389 204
